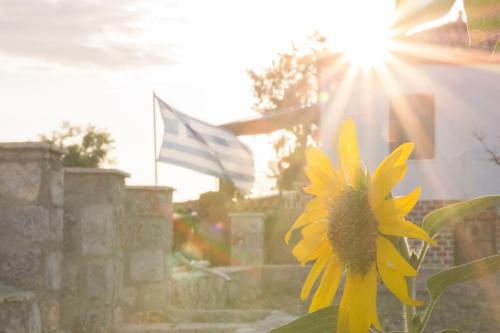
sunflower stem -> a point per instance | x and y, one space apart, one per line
409 310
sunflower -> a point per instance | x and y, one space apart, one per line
348 227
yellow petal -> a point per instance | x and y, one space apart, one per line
315 271
372 299
349 152
315 228
328 286
321 173
309 248
394 280
315 189
345 305
388 174
392 258
405 229
382 184
323 180
398 207
317 157
363 310
314 211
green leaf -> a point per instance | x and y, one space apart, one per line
324 320
467 272
412 13
474 270
435 221
449 331
482 18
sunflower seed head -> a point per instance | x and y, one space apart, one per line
352 230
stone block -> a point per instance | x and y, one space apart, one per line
247 239
53 270
32 222
197 290
147 266
18 312
99 280
97 230
69 272
129 296
21 270
50 314
20 180
154 297
56 187
149 201
56 224
152 232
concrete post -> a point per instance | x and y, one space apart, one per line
93 265
247 238
31 219
147 243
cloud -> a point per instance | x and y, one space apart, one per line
79 33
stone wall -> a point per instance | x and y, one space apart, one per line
93 258
78 252
31 224
146 243
202 290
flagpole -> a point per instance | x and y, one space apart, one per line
154 134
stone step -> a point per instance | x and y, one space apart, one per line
273 320
185 328
217 315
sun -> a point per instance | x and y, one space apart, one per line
372 50
366 39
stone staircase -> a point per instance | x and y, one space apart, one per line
214 321
203 302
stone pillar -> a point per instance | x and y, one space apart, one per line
147 243
247 238
31 218
93 266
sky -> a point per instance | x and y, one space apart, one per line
99 61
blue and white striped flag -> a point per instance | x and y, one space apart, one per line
196 145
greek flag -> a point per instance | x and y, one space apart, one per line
199 146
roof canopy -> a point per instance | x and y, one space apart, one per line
275 121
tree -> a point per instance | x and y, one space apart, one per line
289 83
494 156
86 146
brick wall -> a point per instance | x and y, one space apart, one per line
477 237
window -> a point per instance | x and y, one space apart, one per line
412 118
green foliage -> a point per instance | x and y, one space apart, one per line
289 83
325 320
87 147
474 270
411 13
435 221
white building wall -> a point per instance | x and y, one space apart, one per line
467 100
